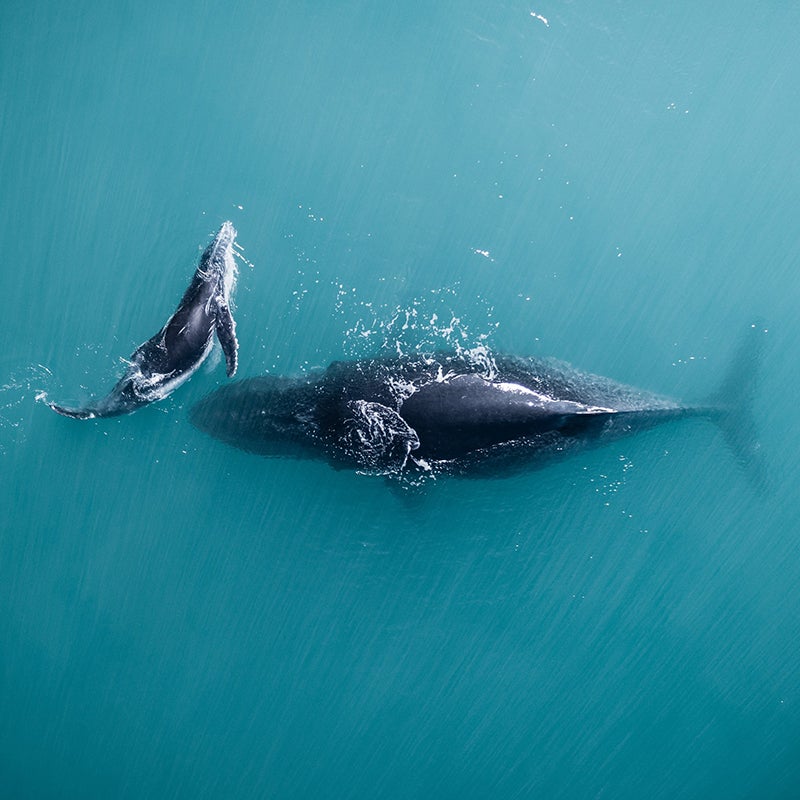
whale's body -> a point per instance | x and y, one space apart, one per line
170 358
441 414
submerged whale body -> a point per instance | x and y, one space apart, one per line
168 359
452 414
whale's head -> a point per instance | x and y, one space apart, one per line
218 262
226 235
262 415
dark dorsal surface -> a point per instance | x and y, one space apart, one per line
467 413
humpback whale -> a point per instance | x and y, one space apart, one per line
168 359
455 414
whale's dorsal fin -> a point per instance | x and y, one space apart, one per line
226 333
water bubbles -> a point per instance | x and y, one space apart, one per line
427 324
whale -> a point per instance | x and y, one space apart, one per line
453 413
170 357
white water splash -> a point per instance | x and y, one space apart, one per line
427 325
540 18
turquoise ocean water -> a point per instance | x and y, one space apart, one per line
616 184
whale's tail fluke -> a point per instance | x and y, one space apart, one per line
73 413
732 404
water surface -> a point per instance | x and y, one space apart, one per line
613 185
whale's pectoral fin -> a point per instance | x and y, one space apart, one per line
226 333
377 437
